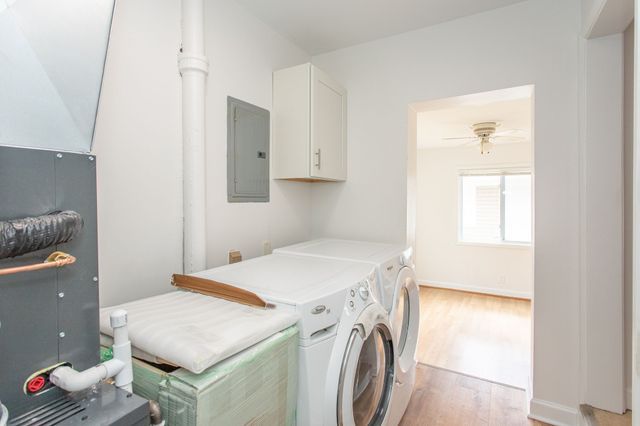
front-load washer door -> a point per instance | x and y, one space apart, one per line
405 317
367 372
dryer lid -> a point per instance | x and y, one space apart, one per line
52 56
290 279
360 251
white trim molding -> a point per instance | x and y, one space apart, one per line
476 289
552 413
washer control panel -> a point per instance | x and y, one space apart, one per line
363 291
360 294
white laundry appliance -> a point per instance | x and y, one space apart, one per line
399 294
346 351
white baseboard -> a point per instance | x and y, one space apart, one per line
476 289
528 395
552 413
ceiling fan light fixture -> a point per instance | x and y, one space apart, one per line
485 128
486 146
485 134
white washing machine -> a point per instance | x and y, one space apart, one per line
347 363
399 294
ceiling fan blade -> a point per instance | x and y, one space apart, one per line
509 137
462 138
509 132
476 141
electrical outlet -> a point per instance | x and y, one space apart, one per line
502 281
235 256
266 247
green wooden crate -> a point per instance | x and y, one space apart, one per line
258 386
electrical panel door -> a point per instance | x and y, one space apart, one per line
247 152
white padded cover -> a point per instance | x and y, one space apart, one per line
195 331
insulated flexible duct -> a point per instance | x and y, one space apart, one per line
21 236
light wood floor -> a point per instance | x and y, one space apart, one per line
443 398
470 346
595 417
483 336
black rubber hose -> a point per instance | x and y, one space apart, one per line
21 236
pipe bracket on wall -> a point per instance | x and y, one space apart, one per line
190 62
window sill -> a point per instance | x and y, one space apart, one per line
519 246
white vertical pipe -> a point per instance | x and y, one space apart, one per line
122 349
194 67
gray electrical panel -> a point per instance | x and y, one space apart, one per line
247 152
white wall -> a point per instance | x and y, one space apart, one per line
605 17
443 262
603 241
628 204
139 151
243 53
533 42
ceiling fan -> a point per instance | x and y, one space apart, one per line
486 135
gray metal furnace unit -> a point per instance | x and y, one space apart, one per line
53 56
51 316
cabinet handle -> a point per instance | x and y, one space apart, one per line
318 155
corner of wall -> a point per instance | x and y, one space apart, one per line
549 412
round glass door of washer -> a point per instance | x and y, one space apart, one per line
366 377
405 316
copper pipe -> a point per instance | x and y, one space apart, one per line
57 259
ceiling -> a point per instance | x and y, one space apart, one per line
326 25
453 118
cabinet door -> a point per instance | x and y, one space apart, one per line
328 128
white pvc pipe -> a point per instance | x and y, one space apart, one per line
72 380
119 367
194 67
122 349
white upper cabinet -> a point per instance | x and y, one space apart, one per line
309 125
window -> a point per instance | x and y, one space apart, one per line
495 207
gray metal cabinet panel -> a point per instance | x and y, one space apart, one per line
78 309
247 152
32 313
28 302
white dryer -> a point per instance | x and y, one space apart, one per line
398 292
346 351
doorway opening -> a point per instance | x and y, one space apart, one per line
471 221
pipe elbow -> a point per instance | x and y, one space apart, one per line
73 381
113 367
